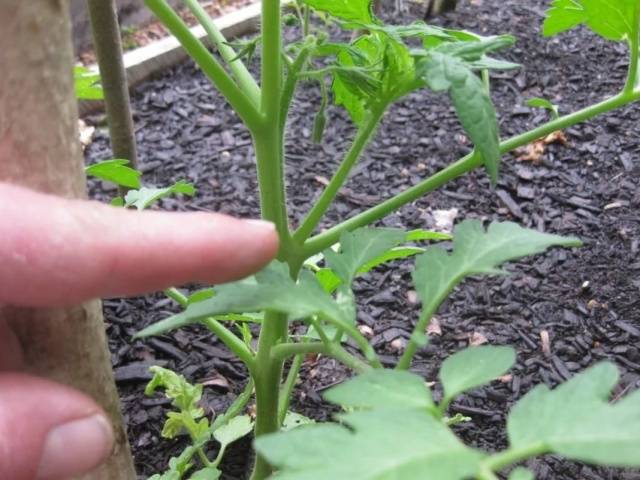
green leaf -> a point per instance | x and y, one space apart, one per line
360 247
200 296
177 388
145 197
538 102
473 367
611 19
444 72
233 430
115 171
178 466
208 473
294 420
87 84
419 235
328 280
521 474
477 252
389 69
393 254
331 281
387 444
577 421
349 10
185 397
382 389
270 289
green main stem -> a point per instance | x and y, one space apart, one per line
268 141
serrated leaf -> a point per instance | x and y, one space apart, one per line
233 430
474 367
145 197
294 420
331 281
611 19
183 394
115 171
208 473
349 10
521 474
380 445
270 289
358 248
443 72
87 84
477 251
382 389
577 421
390 67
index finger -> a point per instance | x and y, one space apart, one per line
57 252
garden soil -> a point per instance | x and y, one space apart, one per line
562 311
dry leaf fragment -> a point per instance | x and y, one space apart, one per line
476 339
444 219
412 296
534 151
215 380
546 342
85 134
398 344
434 327
366 330
321 180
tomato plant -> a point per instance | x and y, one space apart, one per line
393 428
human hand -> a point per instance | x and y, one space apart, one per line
56 252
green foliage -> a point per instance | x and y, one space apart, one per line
382 389
379 444
349 10
359 248
178 466
145 197
271 289
477 252
473 368
184 397
392 428
395 433
87 84
538 102
613 20
115 171
521 474
577 421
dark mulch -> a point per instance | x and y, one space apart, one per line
586 302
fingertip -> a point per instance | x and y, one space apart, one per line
69 436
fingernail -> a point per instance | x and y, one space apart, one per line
75 447
262 224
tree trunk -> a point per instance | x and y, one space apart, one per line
108 46
39 148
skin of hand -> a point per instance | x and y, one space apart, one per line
56 252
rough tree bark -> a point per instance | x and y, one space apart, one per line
108 46
39 149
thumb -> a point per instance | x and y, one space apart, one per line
49 431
